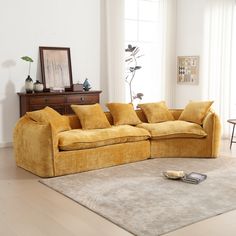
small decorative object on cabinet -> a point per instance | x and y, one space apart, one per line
86 85
29 84
77 87
38 87
59 101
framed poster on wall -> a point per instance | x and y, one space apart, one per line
188 70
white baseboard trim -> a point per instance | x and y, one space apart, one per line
4 145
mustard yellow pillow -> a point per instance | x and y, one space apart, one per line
123 114
49 115
91 116
195 111
156 112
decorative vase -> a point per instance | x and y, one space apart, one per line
86 85
29 85
38 87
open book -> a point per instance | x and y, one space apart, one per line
194 178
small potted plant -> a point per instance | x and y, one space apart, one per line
29 85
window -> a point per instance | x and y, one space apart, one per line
142 24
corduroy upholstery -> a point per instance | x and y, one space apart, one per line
83 139
36 146
173 129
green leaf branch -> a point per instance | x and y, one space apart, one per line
28 59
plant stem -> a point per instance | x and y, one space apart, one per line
130 83
130 92
29 67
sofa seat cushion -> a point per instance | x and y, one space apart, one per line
174 129
83 139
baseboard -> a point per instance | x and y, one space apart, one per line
4 145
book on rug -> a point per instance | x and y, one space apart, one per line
192 178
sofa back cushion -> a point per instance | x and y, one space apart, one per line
48 115
176 113
91 116
196 111
156 112
75 122
123 114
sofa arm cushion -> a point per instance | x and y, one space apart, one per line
212 126
33 147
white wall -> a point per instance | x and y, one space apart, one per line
190 28
27 24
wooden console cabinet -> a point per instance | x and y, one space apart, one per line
59 101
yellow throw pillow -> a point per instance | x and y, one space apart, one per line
91 116
49 115
195 111
123 114
156 112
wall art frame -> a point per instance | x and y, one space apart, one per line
56 68
188 70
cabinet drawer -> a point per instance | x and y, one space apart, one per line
47 100
58 108
83 99
36 107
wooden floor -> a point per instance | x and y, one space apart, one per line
30 208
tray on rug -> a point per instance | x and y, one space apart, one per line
138 198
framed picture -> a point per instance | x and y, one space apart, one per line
188 70
56 68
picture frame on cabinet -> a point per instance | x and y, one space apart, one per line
56 68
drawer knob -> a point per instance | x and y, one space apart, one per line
82 99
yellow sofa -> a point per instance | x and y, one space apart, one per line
42 151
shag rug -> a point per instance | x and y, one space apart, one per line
139 199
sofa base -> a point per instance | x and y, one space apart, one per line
182 147
69 162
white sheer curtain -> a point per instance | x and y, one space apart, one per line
112 51
151 25
219 23
168 46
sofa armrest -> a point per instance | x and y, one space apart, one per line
212 126
34 147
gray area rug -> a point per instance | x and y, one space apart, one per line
139 199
